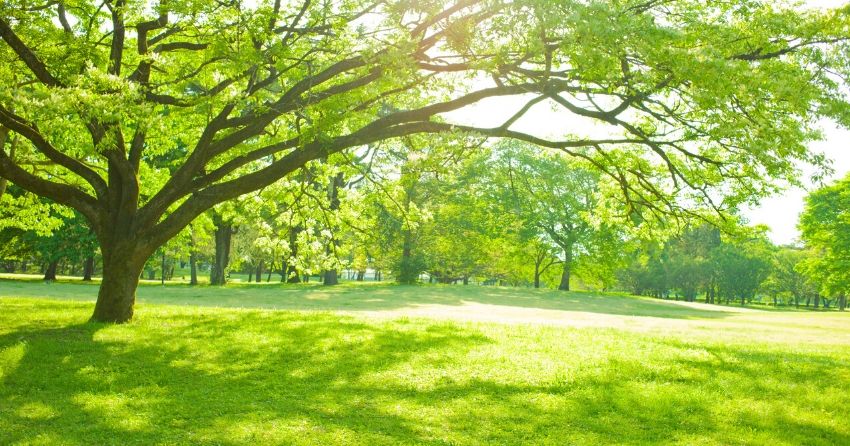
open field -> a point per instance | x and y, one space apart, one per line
383 364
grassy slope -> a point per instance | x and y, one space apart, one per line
188 374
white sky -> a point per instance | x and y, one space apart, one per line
780 213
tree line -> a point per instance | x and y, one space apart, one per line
444 212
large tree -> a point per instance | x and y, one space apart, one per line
141 115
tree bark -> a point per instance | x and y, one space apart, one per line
223 235
122 266
193 269
259 272
50 272
331 276
290 273
565 274
88 269
537 274
271 270
842 302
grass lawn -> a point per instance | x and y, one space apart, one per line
378 364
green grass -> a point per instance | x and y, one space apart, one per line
377 364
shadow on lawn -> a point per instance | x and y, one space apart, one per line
379 297
386 297
283 378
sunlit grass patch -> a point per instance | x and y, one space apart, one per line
199 375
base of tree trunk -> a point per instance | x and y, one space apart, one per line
331 277
88 269
117 294
50 272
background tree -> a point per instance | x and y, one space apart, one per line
556 197
825 228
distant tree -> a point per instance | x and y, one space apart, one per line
73 242
787 275
741 269
691 261
825 229
556 197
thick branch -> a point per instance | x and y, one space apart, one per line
27 56
30 132
60 193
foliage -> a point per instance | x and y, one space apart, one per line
825 228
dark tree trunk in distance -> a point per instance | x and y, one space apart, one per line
223 234
331 277
88 269
50 272
565 274
290 273
259 272
164 271
193 269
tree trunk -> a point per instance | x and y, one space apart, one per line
536 274
193 269
842 302
162 278
271 270
259 275
331 277
223 234
122 267
88 269
565 274
291 275
565 278
817 301
50 272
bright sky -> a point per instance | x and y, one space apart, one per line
780 213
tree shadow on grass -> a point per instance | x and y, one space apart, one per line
376 298
295 378
382 297
223 381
